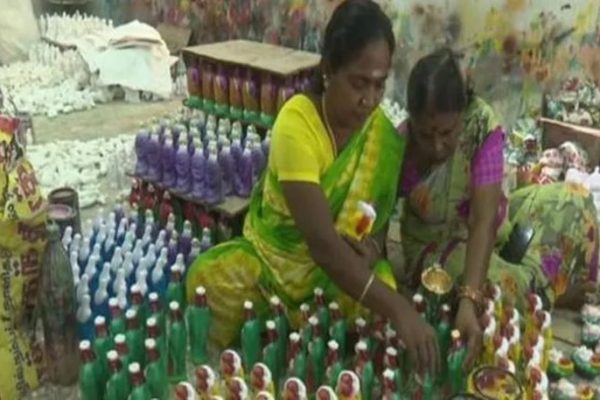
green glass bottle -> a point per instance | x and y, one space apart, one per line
443 331
456 359
103 343
138 304
305 328
117 386
153 332
88 373
420 305
134 337
123 351
364 333
322 311
364 369
250 337
390 362
317 354
139 389
176 344
297 358
390 388
198 321
334 363
282 326
271 351
175 290
155 310
339 329
428 387
156 377
117 322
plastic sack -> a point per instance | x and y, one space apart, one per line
19 30
22 244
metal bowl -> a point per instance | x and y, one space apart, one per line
436 280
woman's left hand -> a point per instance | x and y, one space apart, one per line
468 325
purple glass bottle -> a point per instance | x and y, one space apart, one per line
169 178
213 179
153 150
197 167
228 169
142 138
236 151
183 170
258 160
245 174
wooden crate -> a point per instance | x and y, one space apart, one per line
278 60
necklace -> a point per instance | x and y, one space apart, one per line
328 126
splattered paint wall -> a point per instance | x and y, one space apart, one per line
513 49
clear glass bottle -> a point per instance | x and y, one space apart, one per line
58 309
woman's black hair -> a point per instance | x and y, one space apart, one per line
352 26
436 83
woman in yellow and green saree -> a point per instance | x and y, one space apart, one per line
330 150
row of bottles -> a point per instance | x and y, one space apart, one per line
242 92
316 359
125 258
154 355
193 157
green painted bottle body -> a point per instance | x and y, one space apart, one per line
250 337
117 386
198 320
176 345
89 387
156 377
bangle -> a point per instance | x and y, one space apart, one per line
472 294
366 288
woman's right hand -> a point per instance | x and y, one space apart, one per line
420 340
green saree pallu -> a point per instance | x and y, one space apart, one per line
272 258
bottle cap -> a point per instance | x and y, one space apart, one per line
174 306
150 343
112 355
275 301
120 339
270 325
134 368
85 345
391 352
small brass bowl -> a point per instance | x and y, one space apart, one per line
504 384
436 280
